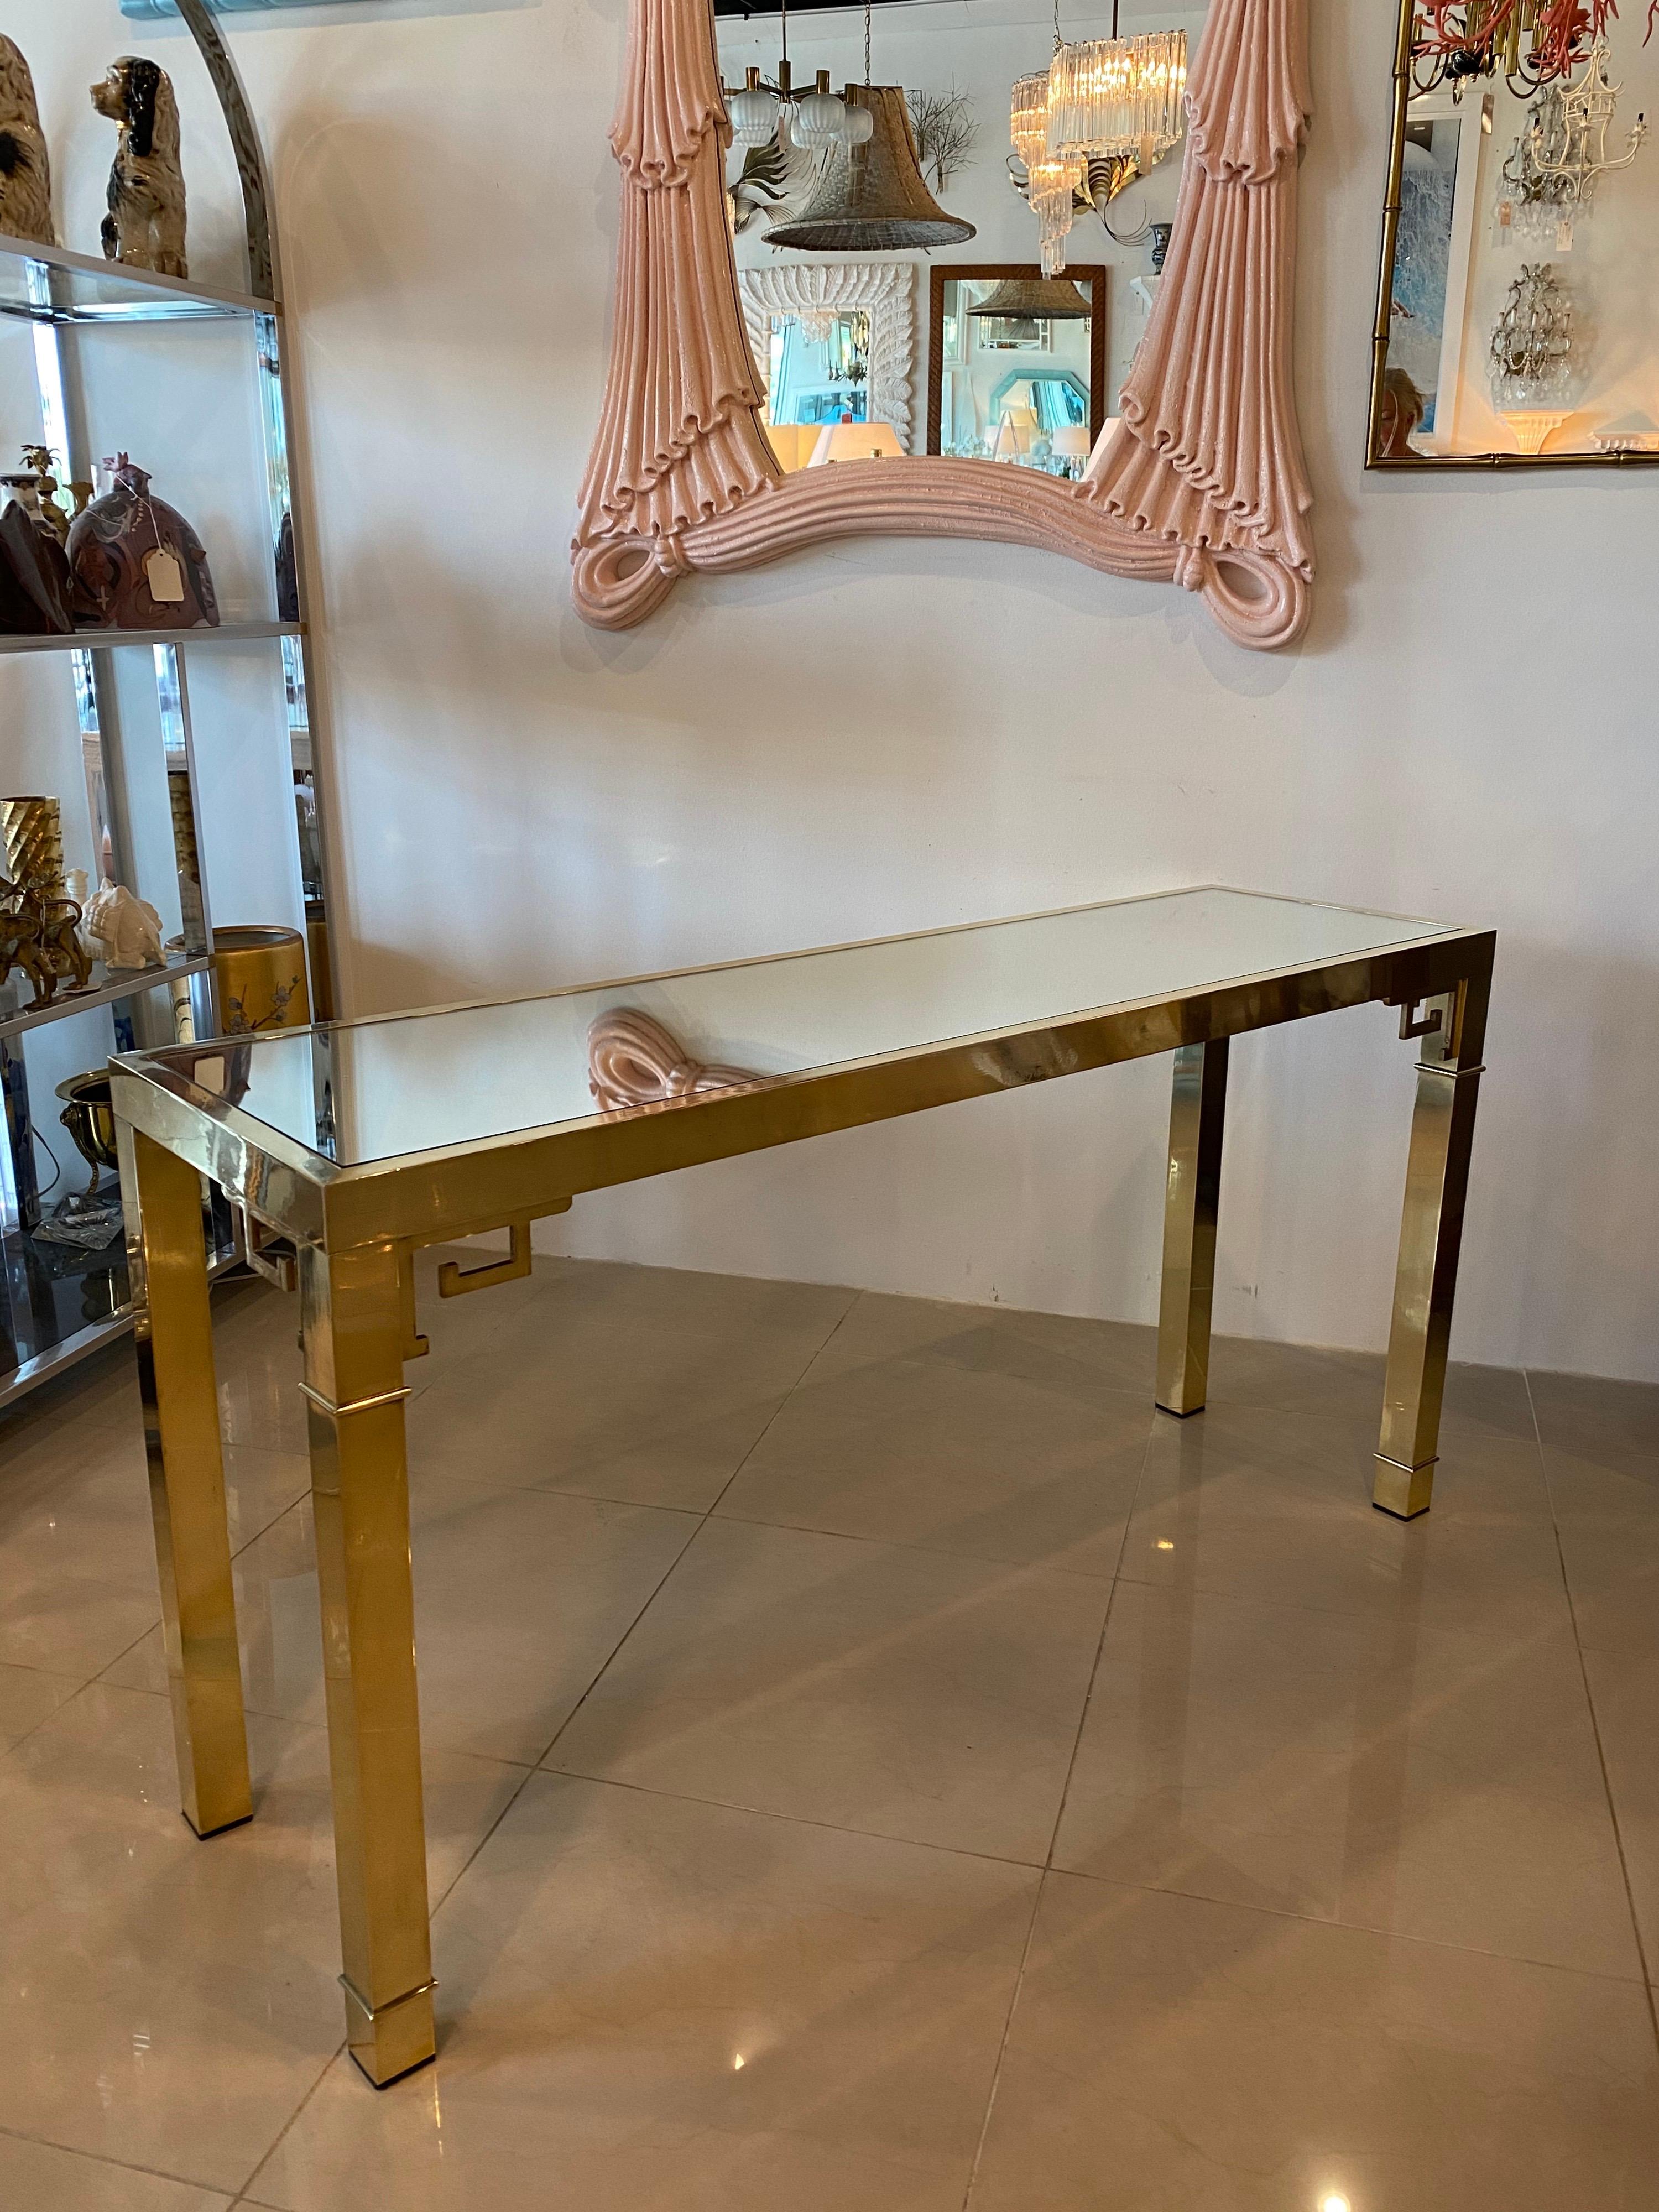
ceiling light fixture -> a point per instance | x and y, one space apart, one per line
1116 96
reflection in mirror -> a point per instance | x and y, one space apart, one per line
1017 366
1519 309
821 164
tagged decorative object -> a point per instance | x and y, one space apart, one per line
136 564
35 596
126 929
145 225
25 164
1202 483
633 1061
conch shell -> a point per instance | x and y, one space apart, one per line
124 931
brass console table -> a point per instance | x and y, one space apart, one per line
358 1142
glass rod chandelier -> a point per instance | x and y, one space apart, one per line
1111 97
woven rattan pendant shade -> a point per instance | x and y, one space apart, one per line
872 198
1035 299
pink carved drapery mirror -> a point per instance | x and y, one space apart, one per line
1202 483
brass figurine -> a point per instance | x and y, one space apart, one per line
38 925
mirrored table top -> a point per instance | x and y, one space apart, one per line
354 1093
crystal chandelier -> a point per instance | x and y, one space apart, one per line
1118 96
1530 357
1028 120
1052 188
1561 154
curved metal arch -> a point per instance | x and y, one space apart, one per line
264 277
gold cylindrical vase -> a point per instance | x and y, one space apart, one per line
260 971
34 834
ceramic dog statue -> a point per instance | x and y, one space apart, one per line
25 166
145 225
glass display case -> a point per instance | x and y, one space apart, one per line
182 760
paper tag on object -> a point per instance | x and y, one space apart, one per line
165 577
1505 214
1564 238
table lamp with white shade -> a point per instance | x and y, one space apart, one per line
855 441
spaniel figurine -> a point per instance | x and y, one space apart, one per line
145 225
25 169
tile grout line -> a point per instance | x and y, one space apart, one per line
1595 1718
701 1520
121 2165
276 2142
1053 1837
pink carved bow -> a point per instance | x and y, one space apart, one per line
633 1061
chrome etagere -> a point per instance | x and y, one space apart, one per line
49 1319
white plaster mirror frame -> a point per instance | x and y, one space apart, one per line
883 290
1202 484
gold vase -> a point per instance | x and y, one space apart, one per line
260 971
33 829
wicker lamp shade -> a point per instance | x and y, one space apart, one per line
1035 299
872 198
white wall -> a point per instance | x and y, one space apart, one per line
888 735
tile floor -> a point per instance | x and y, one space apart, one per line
873 1764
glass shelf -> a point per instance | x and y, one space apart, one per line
50 285
107 987
99 641
58 1306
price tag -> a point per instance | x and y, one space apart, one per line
165 577
1564 238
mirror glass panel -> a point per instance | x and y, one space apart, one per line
1518 316
1013 373
912 166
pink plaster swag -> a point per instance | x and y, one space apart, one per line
1202 485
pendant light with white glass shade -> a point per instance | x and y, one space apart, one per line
819 121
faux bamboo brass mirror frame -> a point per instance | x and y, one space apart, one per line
1385 430
1202 484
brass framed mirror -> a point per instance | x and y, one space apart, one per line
1017 362
1518 313
1200 483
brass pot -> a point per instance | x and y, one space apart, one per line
261 973
90 1120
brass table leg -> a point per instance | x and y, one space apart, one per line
352 1318
167 1262
1430 1231
1197 1112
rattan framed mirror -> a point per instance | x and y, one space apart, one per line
1201 484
